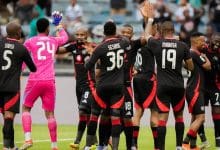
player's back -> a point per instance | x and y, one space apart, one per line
43 49
111 62
12 55
169 54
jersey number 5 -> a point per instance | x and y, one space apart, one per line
45 46
116 59
170 56
6 53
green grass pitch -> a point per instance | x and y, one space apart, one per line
66 133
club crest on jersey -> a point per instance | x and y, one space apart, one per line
78 58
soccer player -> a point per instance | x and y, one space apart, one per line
212 88
42 83
83 93
108 93
169 54
144 86
12 55
195 90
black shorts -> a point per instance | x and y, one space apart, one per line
144 92
196 102
167 96
127 111
108 97
212 96
10 101
84 98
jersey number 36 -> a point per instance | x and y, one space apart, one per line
116 58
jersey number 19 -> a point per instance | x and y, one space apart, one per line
169 55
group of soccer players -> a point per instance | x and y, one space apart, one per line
111 78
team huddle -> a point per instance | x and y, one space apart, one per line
116 80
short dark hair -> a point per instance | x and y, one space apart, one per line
109 28
128 25
42 25
167 26
196 34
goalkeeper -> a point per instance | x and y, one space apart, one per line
42 83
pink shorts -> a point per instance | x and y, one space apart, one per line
44 89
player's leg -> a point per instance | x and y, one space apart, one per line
48 104
93 121
84 114
215 103
178 103
138 113
163 103
8 130
141 92
198 117
11 103
216 120
127 115
31 93
179 128
154 119
116 102
201 131
104 131
116 127
52 126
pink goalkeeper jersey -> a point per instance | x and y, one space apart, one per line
43 49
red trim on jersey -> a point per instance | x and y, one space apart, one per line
93 118
161 106
179 120
151 96
180 105
118 104
100 102
11 102
162 123
195 96
130 91
216 116
10 39
116 122
82 118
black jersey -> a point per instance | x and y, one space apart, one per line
80 55
145 62
196 79
111 55
130 59
169 55
211 76
12 55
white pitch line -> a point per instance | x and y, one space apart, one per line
41 141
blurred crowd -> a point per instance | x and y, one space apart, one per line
189 15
